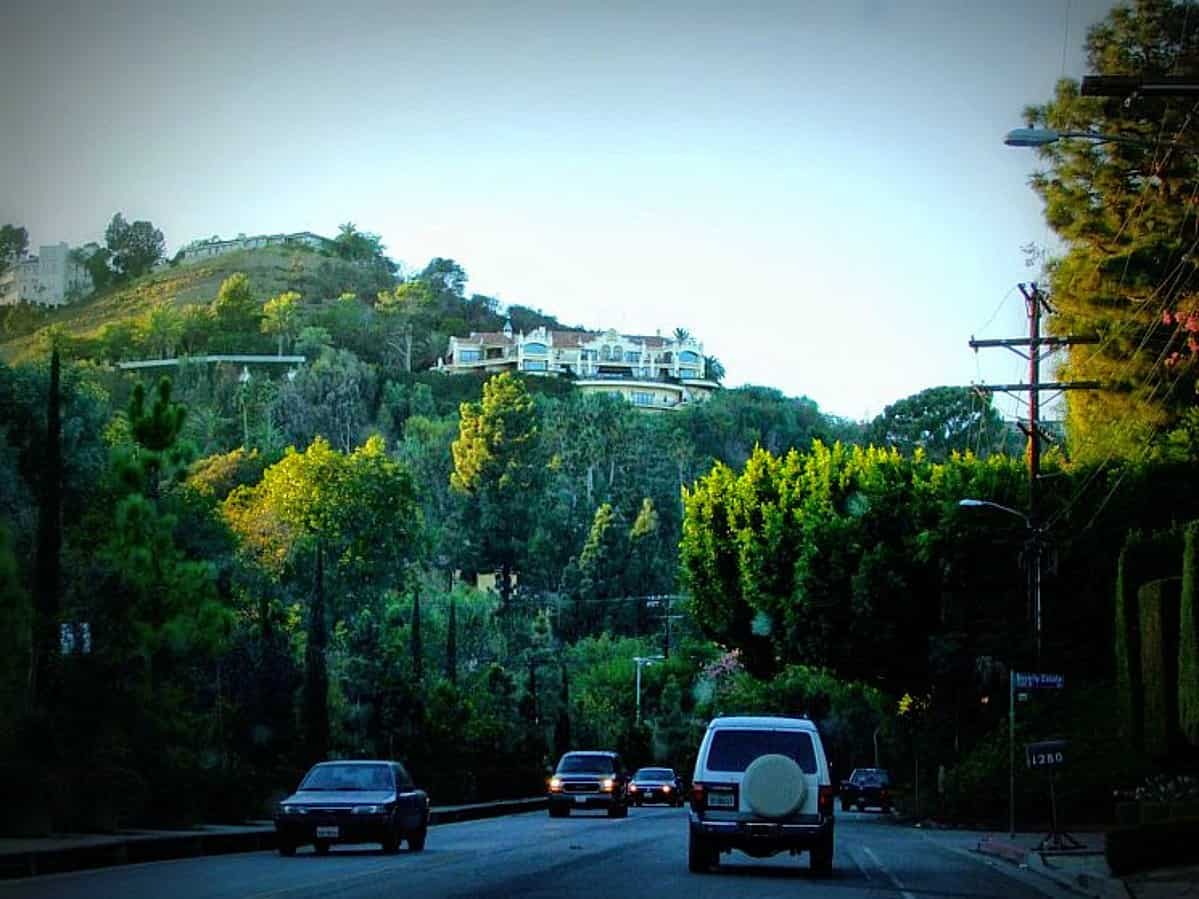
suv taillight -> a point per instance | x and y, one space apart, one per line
825 802
699 797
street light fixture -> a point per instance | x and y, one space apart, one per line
1039 137
641 662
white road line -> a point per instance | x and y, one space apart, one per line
903 891
854 858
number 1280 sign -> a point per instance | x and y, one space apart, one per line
1048 754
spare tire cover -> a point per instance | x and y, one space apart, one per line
774 786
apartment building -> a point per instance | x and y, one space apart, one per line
214 246
654 373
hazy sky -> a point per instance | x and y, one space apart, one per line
817 190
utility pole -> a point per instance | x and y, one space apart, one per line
1036 304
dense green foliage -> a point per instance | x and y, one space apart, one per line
1158 844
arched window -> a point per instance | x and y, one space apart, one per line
688 356
538 349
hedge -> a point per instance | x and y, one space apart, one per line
1145 557
1188 640
1157 603
1158 844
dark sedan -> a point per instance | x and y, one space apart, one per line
867 787
656 785
353 802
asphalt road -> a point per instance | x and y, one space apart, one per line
586 855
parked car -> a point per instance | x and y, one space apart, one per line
656 785
761 786
353 802
589 780
867 787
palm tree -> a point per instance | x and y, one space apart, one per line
713 368
681 335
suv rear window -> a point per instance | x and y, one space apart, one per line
734 750
586 764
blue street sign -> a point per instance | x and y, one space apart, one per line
1031 680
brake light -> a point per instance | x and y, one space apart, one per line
825 801
698 797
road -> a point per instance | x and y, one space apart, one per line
531 855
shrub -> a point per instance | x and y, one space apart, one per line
1153 845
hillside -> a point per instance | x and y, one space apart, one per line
271 271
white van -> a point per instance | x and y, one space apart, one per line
761 786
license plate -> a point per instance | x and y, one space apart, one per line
327 833
720 800
580 800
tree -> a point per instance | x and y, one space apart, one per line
281 317
134 247
1124 213
940 421
316 668
681 335
14 244
497 467
418 645
235 308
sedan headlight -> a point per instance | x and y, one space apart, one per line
632 788
288 809
665 788
367 809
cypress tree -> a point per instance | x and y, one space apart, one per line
316 673
418 646
451 645
47 575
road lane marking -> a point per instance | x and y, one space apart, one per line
903 891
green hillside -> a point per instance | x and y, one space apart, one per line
271 271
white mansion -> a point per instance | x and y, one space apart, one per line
656 373
50 278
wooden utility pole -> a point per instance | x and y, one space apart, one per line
1036 304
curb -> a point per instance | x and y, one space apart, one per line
1082 883
137 848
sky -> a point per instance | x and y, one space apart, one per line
818 191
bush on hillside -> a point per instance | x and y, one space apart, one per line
1155 845
1188 640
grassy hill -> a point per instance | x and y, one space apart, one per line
271 271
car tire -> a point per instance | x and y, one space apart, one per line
287 850
391 843
416 839
702 856
321 847
846 805
820 859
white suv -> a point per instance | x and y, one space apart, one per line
762 786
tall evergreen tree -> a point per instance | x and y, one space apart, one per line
418 645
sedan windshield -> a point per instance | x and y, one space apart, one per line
586 764
348 777
654 774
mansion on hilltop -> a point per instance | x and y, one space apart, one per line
654 373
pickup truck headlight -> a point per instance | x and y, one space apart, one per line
367 809
555 783
608 785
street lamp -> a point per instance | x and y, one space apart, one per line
641 662
1039 137
244 378
1034 580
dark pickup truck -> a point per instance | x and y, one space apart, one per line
867 787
